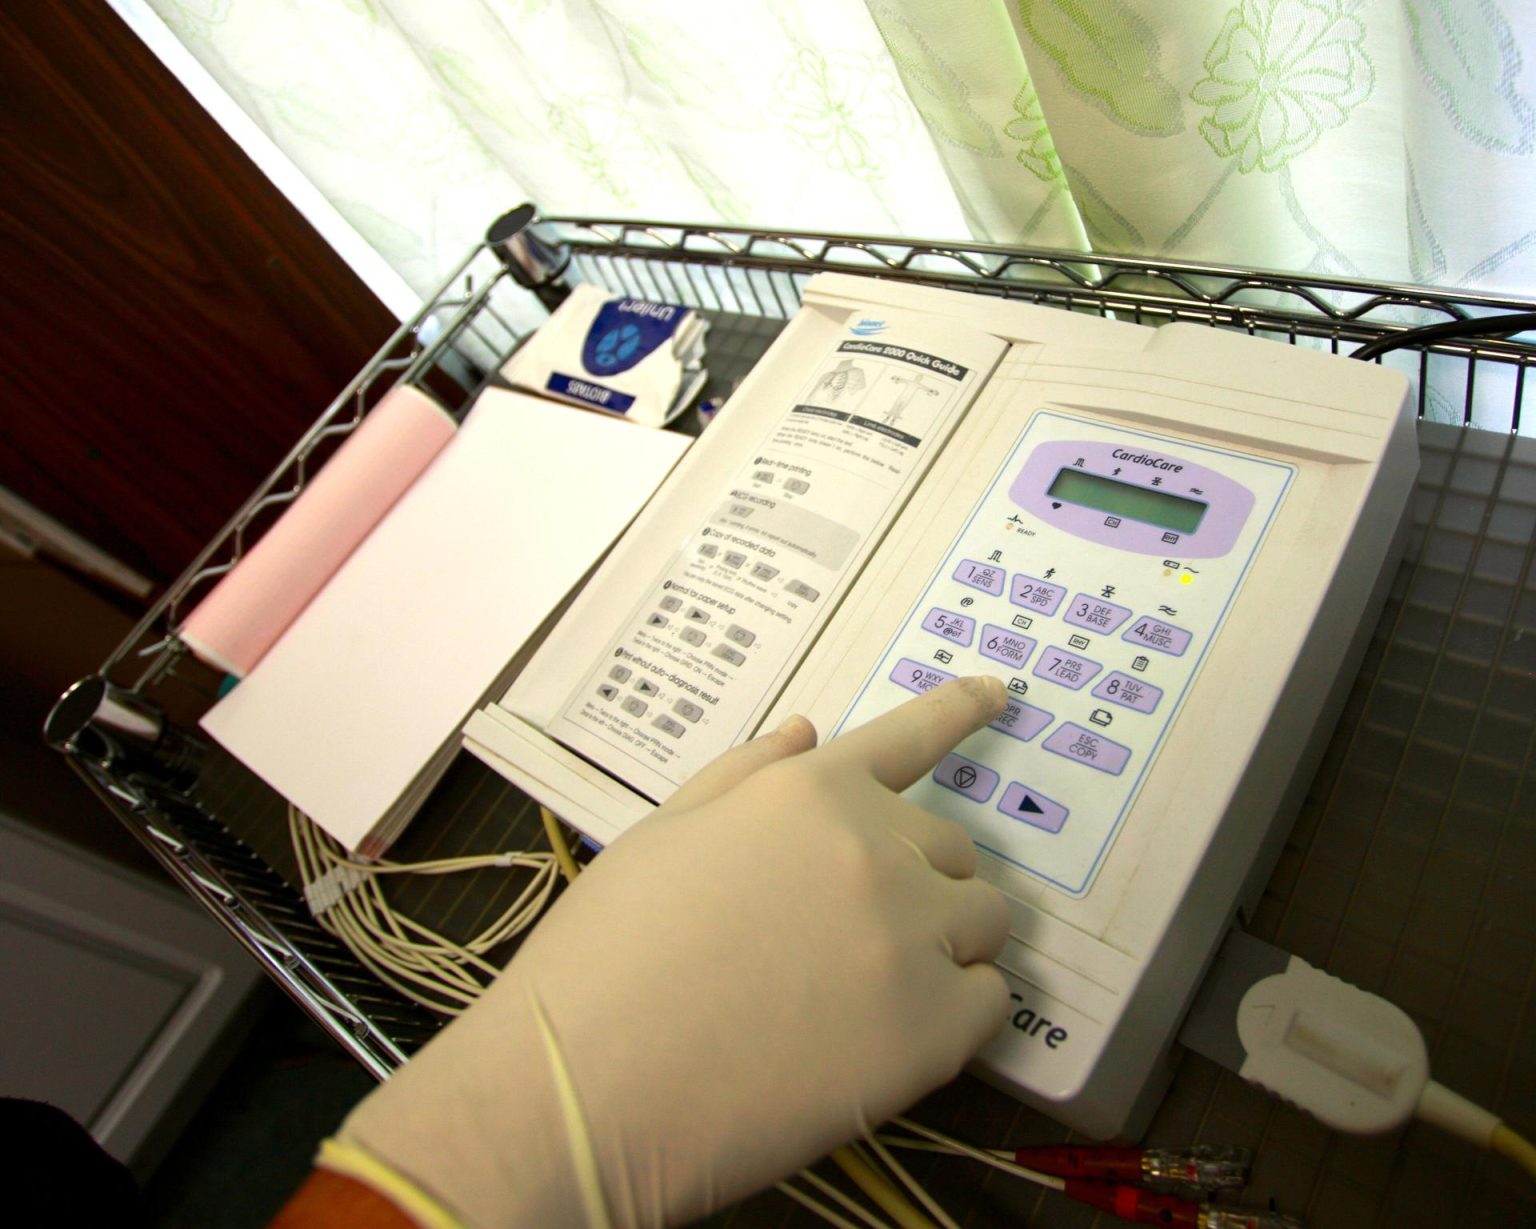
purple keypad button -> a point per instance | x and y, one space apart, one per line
957 627
915 676
1008 647
1038 595
1129 691
1069 669
1087 747
1021 721
975 781
1095 614
984 576
1021 802
1163 637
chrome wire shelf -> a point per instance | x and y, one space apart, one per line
1144 290
224 840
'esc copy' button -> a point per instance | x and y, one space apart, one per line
1086 747
1021 802
975 781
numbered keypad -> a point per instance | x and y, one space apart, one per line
956 628
1079 654
1129 692
1069 669
1095 613
1008 647
1035 594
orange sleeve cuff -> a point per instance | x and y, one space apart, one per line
329 1199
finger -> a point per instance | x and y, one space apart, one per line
726 771
901 746
975 1010
975 921
944 845
980 1007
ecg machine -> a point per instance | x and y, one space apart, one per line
1171 546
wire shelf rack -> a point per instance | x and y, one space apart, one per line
224 838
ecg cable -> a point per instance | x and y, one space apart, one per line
347 899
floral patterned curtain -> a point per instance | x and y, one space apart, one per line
1386 140
1389 139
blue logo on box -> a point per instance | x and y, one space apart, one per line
867 328
626 331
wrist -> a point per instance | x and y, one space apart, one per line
327 1199
473 1120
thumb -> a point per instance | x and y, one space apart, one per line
725 772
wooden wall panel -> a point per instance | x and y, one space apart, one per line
169 324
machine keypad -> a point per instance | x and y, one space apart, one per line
1005 646
1071 670
1087 747
1095 614
1129 692
975 781
959 628
1035 594
1154 634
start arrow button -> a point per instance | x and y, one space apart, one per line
1033 807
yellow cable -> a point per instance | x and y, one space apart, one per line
1516 1147
911 1183
568 866
881 1190
578 1137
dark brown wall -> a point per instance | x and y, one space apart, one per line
168 323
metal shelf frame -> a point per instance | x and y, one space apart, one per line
493 300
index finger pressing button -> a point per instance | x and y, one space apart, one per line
903 745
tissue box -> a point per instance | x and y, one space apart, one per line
635 358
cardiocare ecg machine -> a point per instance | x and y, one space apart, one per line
1171 545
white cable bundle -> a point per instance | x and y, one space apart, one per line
347 899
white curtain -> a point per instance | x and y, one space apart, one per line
1386 139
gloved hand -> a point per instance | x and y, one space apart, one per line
773 963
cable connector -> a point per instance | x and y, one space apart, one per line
1240 1218
1208 1167
331 888
1142 1207
1351 1059
1201 1167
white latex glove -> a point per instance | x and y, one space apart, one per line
779 959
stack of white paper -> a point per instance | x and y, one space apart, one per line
354 714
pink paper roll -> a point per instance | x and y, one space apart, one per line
256 601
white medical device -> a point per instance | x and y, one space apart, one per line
1170 544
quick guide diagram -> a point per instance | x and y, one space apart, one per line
732 612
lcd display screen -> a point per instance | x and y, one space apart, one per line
1138 503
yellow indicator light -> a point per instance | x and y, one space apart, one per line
1186 579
